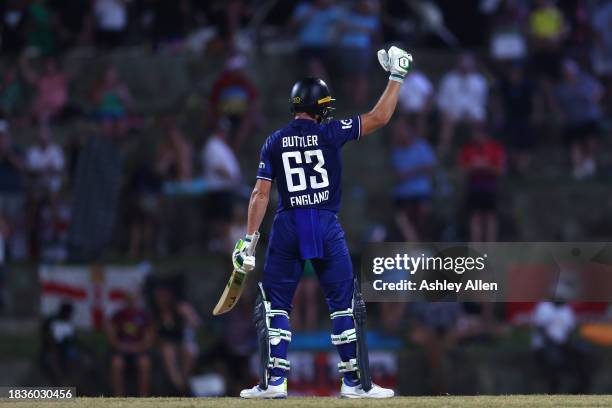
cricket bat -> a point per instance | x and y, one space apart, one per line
235 285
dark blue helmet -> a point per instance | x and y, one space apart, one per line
311 95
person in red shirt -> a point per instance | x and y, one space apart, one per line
130 333
234 97
483 161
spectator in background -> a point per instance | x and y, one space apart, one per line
45 163
51 88
602 44
111 17
413 161
40 28
45 160
415 100
547 29
143 211
483 161
177 322
12 27
175 153
577 101
112 99
11 92
59 351
316 22
223 176
358 29
462 97
130 333
433 327
233 96
553 323
517 92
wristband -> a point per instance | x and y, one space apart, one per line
396 77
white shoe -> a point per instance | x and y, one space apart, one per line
273 392
356 391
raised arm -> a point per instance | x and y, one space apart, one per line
398 62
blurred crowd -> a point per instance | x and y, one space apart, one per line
530 78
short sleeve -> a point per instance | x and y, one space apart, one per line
344 130
265 170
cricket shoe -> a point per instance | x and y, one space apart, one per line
356 391
278 391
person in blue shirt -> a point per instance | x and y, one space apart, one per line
359 29
304 160
316 24
413 161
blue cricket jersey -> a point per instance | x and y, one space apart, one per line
305 160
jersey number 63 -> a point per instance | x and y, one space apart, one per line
316 182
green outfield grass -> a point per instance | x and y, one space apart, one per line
531 401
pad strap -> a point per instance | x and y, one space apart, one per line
276 362
340 313
276 312
347 336
346 366
280 334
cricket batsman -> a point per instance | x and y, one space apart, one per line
304 159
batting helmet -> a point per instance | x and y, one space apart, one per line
311 95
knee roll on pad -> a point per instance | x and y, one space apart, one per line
269 336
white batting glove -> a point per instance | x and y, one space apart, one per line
397 61
241 258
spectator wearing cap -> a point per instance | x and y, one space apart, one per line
577 100
234 97
462 97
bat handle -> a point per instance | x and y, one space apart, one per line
251 249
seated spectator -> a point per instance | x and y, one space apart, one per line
111 18
234 96
517 92
112 99
59 351
51 88
483 161
358 30
556 352
177 322
316 22
223 177
174 154
415 100
547 29
577 101
462 97
413 162
130 333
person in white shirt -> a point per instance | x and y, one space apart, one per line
415 99
223 178
111 21
556 351
462 97
45 160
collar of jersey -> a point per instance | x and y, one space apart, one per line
303 122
